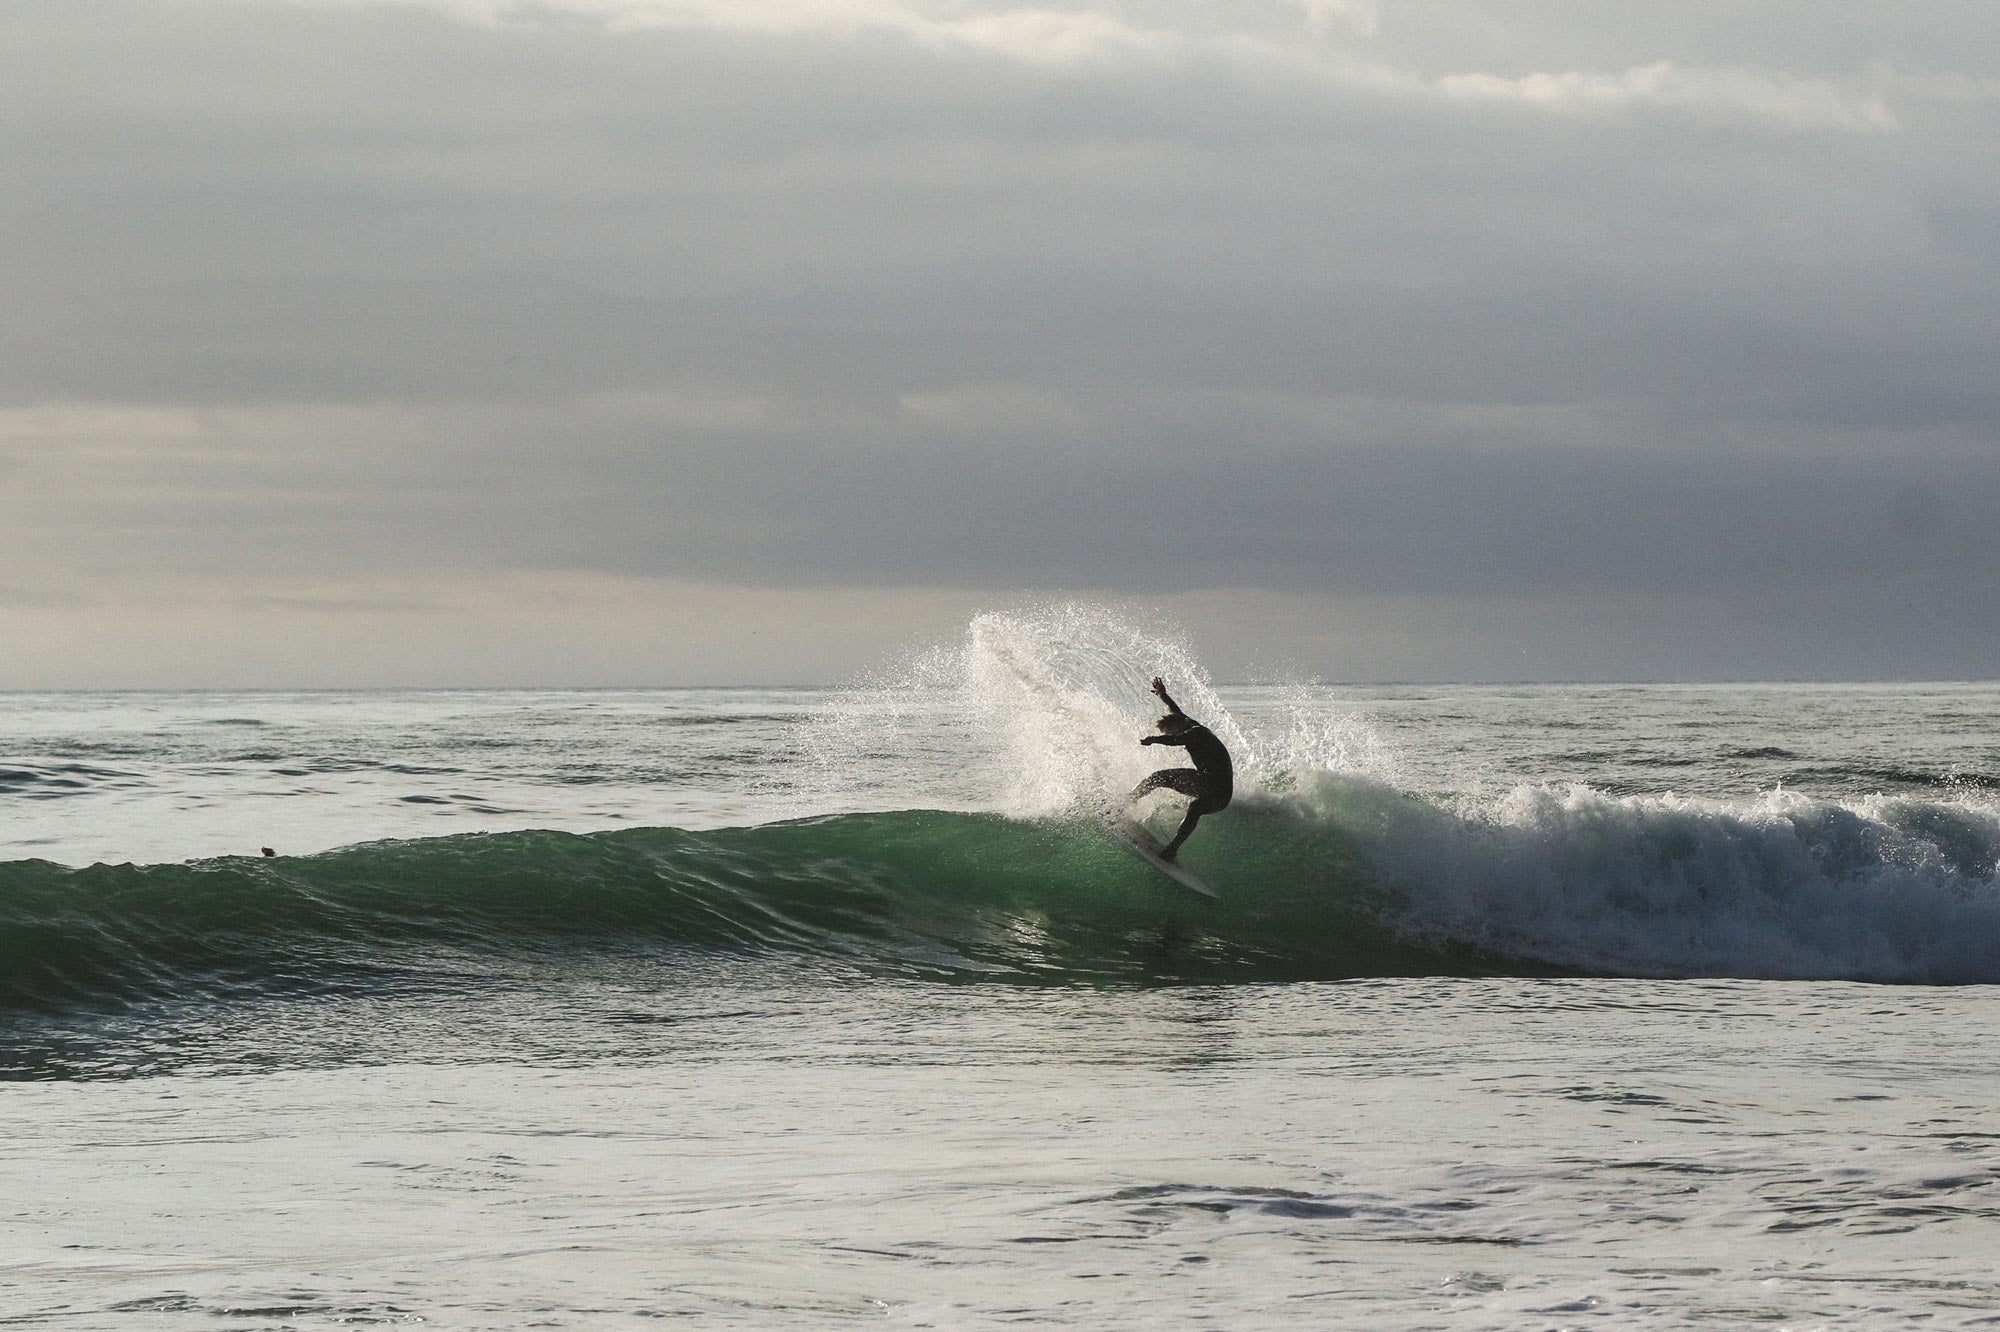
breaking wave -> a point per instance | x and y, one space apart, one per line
1347 877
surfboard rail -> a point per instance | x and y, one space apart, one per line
1143 844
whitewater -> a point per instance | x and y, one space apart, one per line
1523 1006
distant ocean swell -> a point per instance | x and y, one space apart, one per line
1345 877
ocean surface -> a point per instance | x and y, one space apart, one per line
1635 1006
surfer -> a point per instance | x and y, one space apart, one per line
1208 784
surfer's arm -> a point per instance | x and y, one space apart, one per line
1160 688
1180 739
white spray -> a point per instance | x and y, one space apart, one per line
1047 704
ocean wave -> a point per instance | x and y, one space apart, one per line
1340 877
917 894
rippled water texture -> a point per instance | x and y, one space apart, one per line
776 1151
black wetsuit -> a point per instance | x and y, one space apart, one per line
1209 784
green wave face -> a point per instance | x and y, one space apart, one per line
954 896
1338 879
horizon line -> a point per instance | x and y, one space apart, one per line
1268 683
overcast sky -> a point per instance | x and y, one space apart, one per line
679 341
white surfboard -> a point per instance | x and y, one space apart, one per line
1147 849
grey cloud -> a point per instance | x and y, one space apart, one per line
342 605
1167 496
1418 521
29 598
378 202
1010 322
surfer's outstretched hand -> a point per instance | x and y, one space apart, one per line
1159 686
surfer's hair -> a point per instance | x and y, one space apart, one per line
1173 723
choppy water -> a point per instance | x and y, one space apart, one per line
1524 1007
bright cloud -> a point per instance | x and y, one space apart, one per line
1804 103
